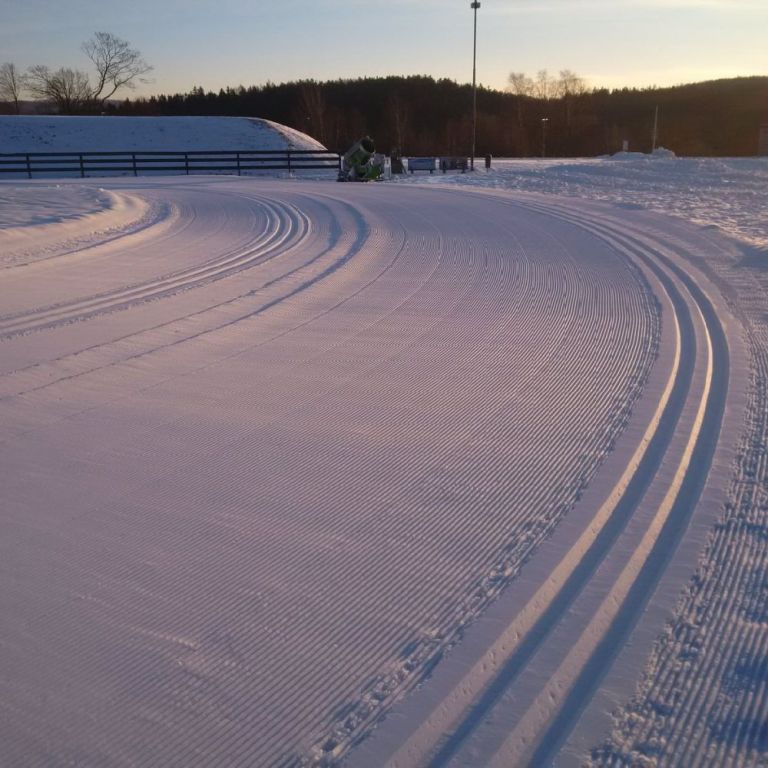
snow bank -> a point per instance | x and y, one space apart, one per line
33 133
22 206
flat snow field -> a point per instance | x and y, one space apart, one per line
275 454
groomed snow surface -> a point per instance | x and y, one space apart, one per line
725 193
703 697
276 453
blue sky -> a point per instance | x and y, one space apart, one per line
229 42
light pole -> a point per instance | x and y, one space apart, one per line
474 6
544 121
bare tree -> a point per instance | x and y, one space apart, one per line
519 84
545 87
69 89
11 84
117 65
570 86
523 87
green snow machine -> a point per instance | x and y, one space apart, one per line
359 162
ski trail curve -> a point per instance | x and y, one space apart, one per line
558 696
471 699
423 746
252 510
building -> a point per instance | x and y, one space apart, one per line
762 147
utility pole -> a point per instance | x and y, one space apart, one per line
655 128
474 6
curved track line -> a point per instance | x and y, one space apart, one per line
561 685
423 742
536 612
372 718
467 295
336 238
348 254
271 242
612 624
446 718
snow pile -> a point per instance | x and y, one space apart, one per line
660 153
627 155
728 193
33 133
23 206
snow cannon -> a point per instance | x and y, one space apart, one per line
359 162
360 152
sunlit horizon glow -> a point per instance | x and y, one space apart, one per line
613 44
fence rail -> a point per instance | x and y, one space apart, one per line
103 163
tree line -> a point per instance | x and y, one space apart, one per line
420 115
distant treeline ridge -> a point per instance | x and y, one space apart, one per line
420 115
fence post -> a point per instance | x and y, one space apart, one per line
186 163
289 163
238 164
29 167
135 170
82 168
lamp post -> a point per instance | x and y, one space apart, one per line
544 121
474 6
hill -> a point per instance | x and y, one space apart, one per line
28 133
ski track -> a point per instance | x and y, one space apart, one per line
99 216
264 461
574 682
702 699
443 733
283 225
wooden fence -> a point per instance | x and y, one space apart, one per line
107 163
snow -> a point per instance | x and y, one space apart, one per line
29 206
276 454
728 193
269 447
33 133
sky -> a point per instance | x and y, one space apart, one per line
214 44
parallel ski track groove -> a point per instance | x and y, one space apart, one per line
558 729
695 705
284 226
361 236
503 679
539 498
477 296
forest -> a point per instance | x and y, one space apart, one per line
556 116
